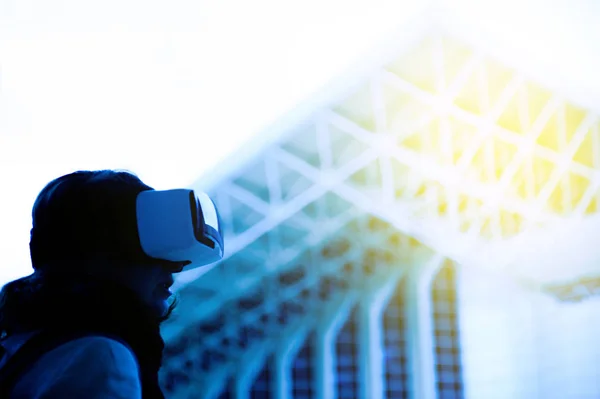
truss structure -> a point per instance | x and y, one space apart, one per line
575 291
442 152
301 291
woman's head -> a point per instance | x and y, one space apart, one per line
85 215
85 223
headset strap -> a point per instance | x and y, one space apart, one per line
32 350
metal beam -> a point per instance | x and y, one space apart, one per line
371 344
420 329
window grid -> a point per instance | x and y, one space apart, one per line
347 357
227 392
303 381
447 341
262 387
395 346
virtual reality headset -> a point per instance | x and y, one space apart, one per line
179 226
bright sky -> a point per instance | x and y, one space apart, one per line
165 89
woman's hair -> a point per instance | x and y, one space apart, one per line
86 214
32 302
82 215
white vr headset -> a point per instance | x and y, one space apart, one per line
180 226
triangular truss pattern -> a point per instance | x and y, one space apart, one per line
447 150
575 291
295 291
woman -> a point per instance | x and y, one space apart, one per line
86 322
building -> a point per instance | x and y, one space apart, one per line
415 232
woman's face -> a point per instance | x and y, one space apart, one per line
151 283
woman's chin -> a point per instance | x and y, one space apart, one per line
161 307
161 301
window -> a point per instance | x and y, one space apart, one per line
447 340
263 385
303 380
347 359
395 346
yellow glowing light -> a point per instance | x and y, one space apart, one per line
517 152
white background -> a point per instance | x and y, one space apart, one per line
169 89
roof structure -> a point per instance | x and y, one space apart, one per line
438 151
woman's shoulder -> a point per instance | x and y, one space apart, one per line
10 345
98 347
94 353
86 364
101 349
